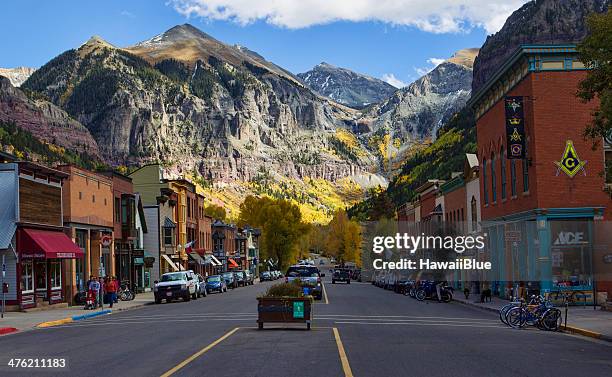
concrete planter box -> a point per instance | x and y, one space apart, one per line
284 310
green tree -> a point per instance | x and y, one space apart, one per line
216 212
596 53
281 224
344 238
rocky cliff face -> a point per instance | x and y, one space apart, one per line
345 86
415 113
45 120
193 102
537 22
18 75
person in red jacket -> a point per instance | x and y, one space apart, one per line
111 290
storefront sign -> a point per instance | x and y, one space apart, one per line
570 238
570 164
515 127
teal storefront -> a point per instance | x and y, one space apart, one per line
543 251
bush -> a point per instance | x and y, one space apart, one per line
293 289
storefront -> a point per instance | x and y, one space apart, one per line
550 251
42 256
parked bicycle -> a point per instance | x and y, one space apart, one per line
539 312
125 294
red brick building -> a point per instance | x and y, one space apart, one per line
541 209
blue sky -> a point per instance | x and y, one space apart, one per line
374 43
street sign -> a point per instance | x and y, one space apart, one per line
298 309
106 240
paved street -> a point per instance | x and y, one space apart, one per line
379 333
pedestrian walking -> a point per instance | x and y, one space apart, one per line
116 282
94 288
111 291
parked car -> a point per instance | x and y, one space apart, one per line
250 279
202 291
240 278
192 279
341 275
310 278
265 276
230 279
216 283
174 285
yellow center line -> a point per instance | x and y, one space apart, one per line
199 353
345 364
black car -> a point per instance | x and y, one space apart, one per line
341 275
265 276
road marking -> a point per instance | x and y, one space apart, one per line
417 323
199 353
345 364
325 293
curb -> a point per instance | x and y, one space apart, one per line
72 319
493 310
568 328
90 315
7 330
585 332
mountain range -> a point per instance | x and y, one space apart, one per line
345 86
227 116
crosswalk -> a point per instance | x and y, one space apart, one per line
319 320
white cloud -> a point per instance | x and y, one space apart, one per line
438 16
435 61
390 78
128 14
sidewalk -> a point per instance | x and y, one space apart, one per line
581 320
27 321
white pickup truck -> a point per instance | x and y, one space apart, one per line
174 285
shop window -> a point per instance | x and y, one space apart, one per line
55 274
485 192
503 174
513 177
40 273
493 180
27 276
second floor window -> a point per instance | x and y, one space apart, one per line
485 191
503 174
493 180
168 239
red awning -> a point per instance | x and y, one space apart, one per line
232 263
47 244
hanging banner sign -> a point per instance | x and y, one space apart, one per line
515 127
